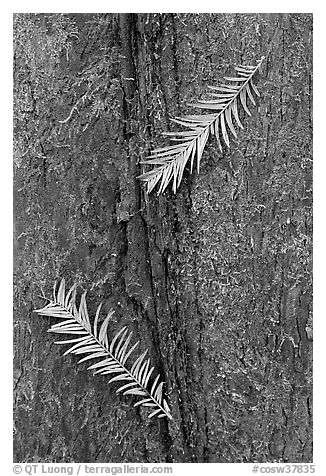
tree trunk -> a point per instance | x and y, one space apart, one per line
215 280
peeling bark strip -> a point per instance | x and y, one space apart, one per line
127 24
215 281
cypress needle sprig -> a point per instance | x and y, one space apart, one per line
169 162
113 357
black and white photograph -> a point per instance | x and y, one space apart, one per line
162 243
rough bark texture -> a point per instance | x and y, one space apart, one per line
215 280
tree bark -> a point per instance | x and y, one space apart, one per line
215 280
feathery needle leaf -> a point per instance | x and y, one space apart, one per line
169 162
113 356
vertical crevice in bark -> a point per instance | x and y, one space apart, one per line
175 59
138 279
127 23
